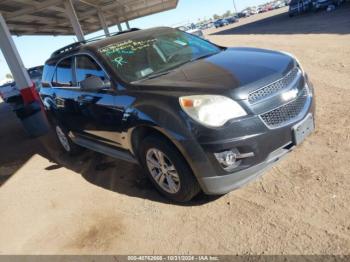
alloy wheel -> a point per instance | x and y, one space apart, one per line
63 139
163 171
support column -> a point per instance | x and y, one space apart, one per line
103 22
127 25
72 15
120 29
31 112
12 57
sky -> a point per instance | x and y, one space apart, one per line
35 50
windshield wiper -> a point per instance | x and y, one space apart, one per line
155 75
203 56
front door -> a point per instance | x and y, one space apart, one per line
64 94
100 118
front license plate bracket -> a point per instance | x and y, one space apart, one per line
303 129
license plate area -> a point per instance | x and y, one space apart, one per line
303 129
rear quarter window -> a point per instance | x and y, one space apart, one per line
49 70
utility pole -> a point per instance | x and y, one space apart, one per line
234 4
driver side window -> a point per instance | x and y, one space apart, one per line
87 68
63 76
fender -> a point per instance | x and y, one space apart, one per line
170 124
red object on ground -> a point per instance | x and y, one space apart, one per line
29 95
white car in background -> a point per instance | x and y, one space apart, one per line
9 91
191 29
279 4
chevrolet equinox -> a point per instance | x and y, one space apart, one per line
196 116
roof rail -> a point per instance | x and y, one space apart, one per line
126 31
67 48
75 45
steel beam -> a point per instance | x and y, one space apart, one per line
12 57
31 112
72 15
127 25
119 27
103 22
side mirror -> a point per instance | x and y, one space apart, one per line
93 83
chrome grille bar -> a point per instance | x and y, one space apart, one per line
273 88
288 112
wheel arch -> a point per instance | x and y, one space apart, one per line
137 134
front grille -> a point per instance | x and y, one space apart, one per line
287 112
269 90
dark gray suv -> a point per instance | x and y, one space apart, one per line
195 115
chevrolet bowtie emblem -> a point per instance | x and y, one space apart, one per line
289 95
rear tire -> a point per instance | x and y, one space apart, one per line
167 169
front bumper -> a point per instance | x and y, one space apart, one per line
219 185
251 135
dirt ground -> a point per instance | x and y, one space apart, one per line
52 204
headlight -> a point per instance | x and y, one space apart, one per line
211 110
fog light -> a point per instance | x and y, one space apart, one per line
231 159
227 159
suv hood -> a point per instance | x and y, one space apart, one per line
230 69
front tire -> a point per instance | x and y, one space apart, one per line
168 170
64 140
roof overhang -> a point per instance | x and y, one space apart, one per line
48 17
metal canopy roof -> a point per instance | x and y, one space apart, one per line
48 17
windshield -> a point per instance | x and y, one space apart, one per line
154 54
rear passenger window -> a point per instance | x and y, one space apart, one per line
49 70
87 67
64 74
